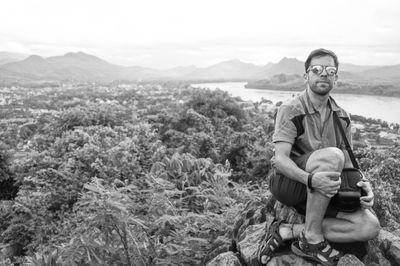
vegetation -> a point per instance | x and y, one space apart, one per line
359 85
139 174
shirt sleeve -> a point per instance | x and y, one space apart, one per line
285 129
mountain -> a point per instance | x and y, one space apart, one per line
84 67
384 72
74 66
7 57
33 65
227 70
138 73
354 68
78 59
179 71
287 66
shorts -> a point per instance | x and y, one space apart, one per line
293 193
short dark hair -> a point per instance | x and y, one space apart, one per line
318 53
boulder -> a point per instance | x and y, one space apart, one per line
225 259
252 237
394 253
349 259
251 226
288 259
397 232
375 256
389 245
255 212
250 234
288 214
385 239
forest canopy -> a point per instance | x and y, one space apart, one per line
141 174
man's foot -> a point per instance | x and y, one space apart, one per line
321 252
272 241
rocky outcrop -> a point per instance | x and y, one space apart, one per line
384 250
348 259
250 229
227 259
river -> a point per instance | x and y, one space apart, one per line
378 107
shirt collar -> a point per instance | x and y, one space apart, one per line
310 107
332 103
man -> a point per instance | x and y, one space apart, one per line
309 157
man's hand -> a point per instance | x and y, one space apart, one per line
368 200
327 183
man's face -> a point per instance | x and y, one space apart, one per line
322 83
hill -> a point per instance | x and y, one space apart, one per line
384 72
349 85
82 67
7 57
227 70
74 67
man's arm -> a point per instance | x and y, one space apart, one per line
284 165
327 183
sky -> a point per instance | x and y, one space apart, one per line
169 33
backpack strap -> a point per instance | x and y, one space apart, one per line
346 142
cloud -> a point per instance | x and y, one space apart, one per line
13 46
164 34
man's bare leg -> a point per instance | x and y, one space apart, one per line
328 159
361 225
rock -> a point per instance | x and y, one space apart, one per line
375 255
357 249
394 253
255 212
221 245
390 245
350 260
396 232
250 236
288 214
248 246
385 236
225 259
289 259
251 227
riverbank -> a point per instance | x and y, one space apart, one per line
296 83
375 107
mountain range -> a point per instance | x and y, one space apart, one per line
84 67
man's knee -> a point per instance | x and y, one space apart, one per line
327 159
367 225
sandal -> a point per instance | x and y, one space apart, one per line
320 252
271 242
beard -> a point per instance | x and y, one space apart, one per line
321 87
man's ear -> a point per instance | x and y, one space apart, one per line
305 76
336 77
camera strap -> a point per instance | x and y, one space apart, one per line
346 142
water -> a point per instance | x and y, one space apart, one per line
378 107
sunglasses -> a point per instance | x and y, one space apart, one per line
317 69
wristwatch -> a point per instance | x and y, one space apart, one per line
309 182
